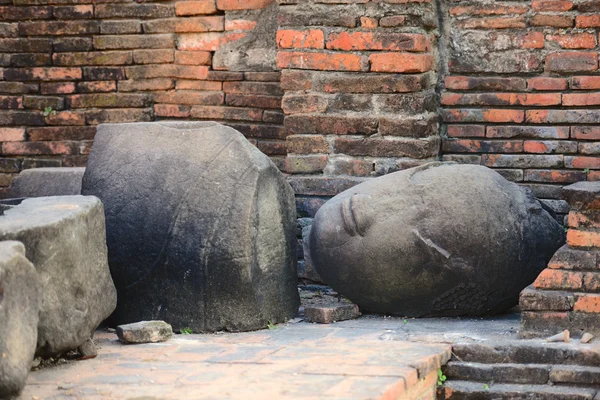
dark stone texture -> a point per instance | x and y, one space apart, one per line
540 300
436 240
583 195
201 226
40 182
19 309
65 240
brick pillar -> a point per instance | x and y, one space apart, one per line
566 295
358 78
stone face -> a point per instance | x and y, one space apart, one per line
436 240
19 309
65 240
39 182
201 226
145 332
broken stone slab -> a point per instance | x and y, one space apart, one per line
40 182
19 315
587 337
435 240
564 336
66 241
583 195
329 314
201 226
145 332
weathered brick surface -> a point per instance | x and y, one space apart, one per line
67 66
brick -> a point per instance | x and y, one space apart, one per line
305 164
573 374
199 41
18 87
588 6
552 5
42 74
65 118
392 21
172 111
408 127
273 117
544 323
591 282
484 84
146 41
584 220
108 100
30 60
230 5
293 39
502 99
183 25
556 279
483 115
195 7
294 80
193 57
552 20
153 56
146 84
103 73
585 132
304 103
167 71
57 28
581 99
225 76
322 185
549 146
39 148
307 144
25 13
12 134
371 83
590 116
350 41
271 147
493 23
239 24
388 147
559 132
401 62
143 10
587 21
368 22
553 176
93 58
11 102
120 27
188 97
262 76
585 82
60 44
82 11
574 41
481 146
589 148
118 115
544 84
226 113
342 165
574 259
331 124
572 62
582 162
583 196
270 88
20 118
545 300
198 85
522 161
43 102
329 314
466 130
495 9
583 239
25 45
322 61
61 133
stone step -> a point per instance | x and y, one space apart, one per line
534 351
524 373
463 390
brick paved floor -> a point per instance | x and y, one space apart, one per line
348 360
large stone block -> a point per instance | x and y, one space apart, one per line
66 241
436 240
201 226
40 182
19 309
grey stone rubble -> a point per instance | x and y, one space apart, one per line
437 240
19 314
145 332
40 182
65 240
200 226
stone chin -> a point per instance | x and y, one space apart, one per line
434 240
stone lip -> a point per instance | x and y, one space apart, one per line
583 195
40 182
145 332
65 238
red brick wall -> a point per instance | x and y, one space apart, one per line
520 94
92 61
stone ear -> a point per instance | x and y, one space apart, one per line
355 211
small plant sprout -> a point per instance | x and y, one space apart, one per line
486 387
587 170
271 325
405 321
186 331
441 377
49 111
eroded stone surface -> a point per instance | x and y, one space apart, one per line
201 226
145 332
19 308
39 182
440 240
65 240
